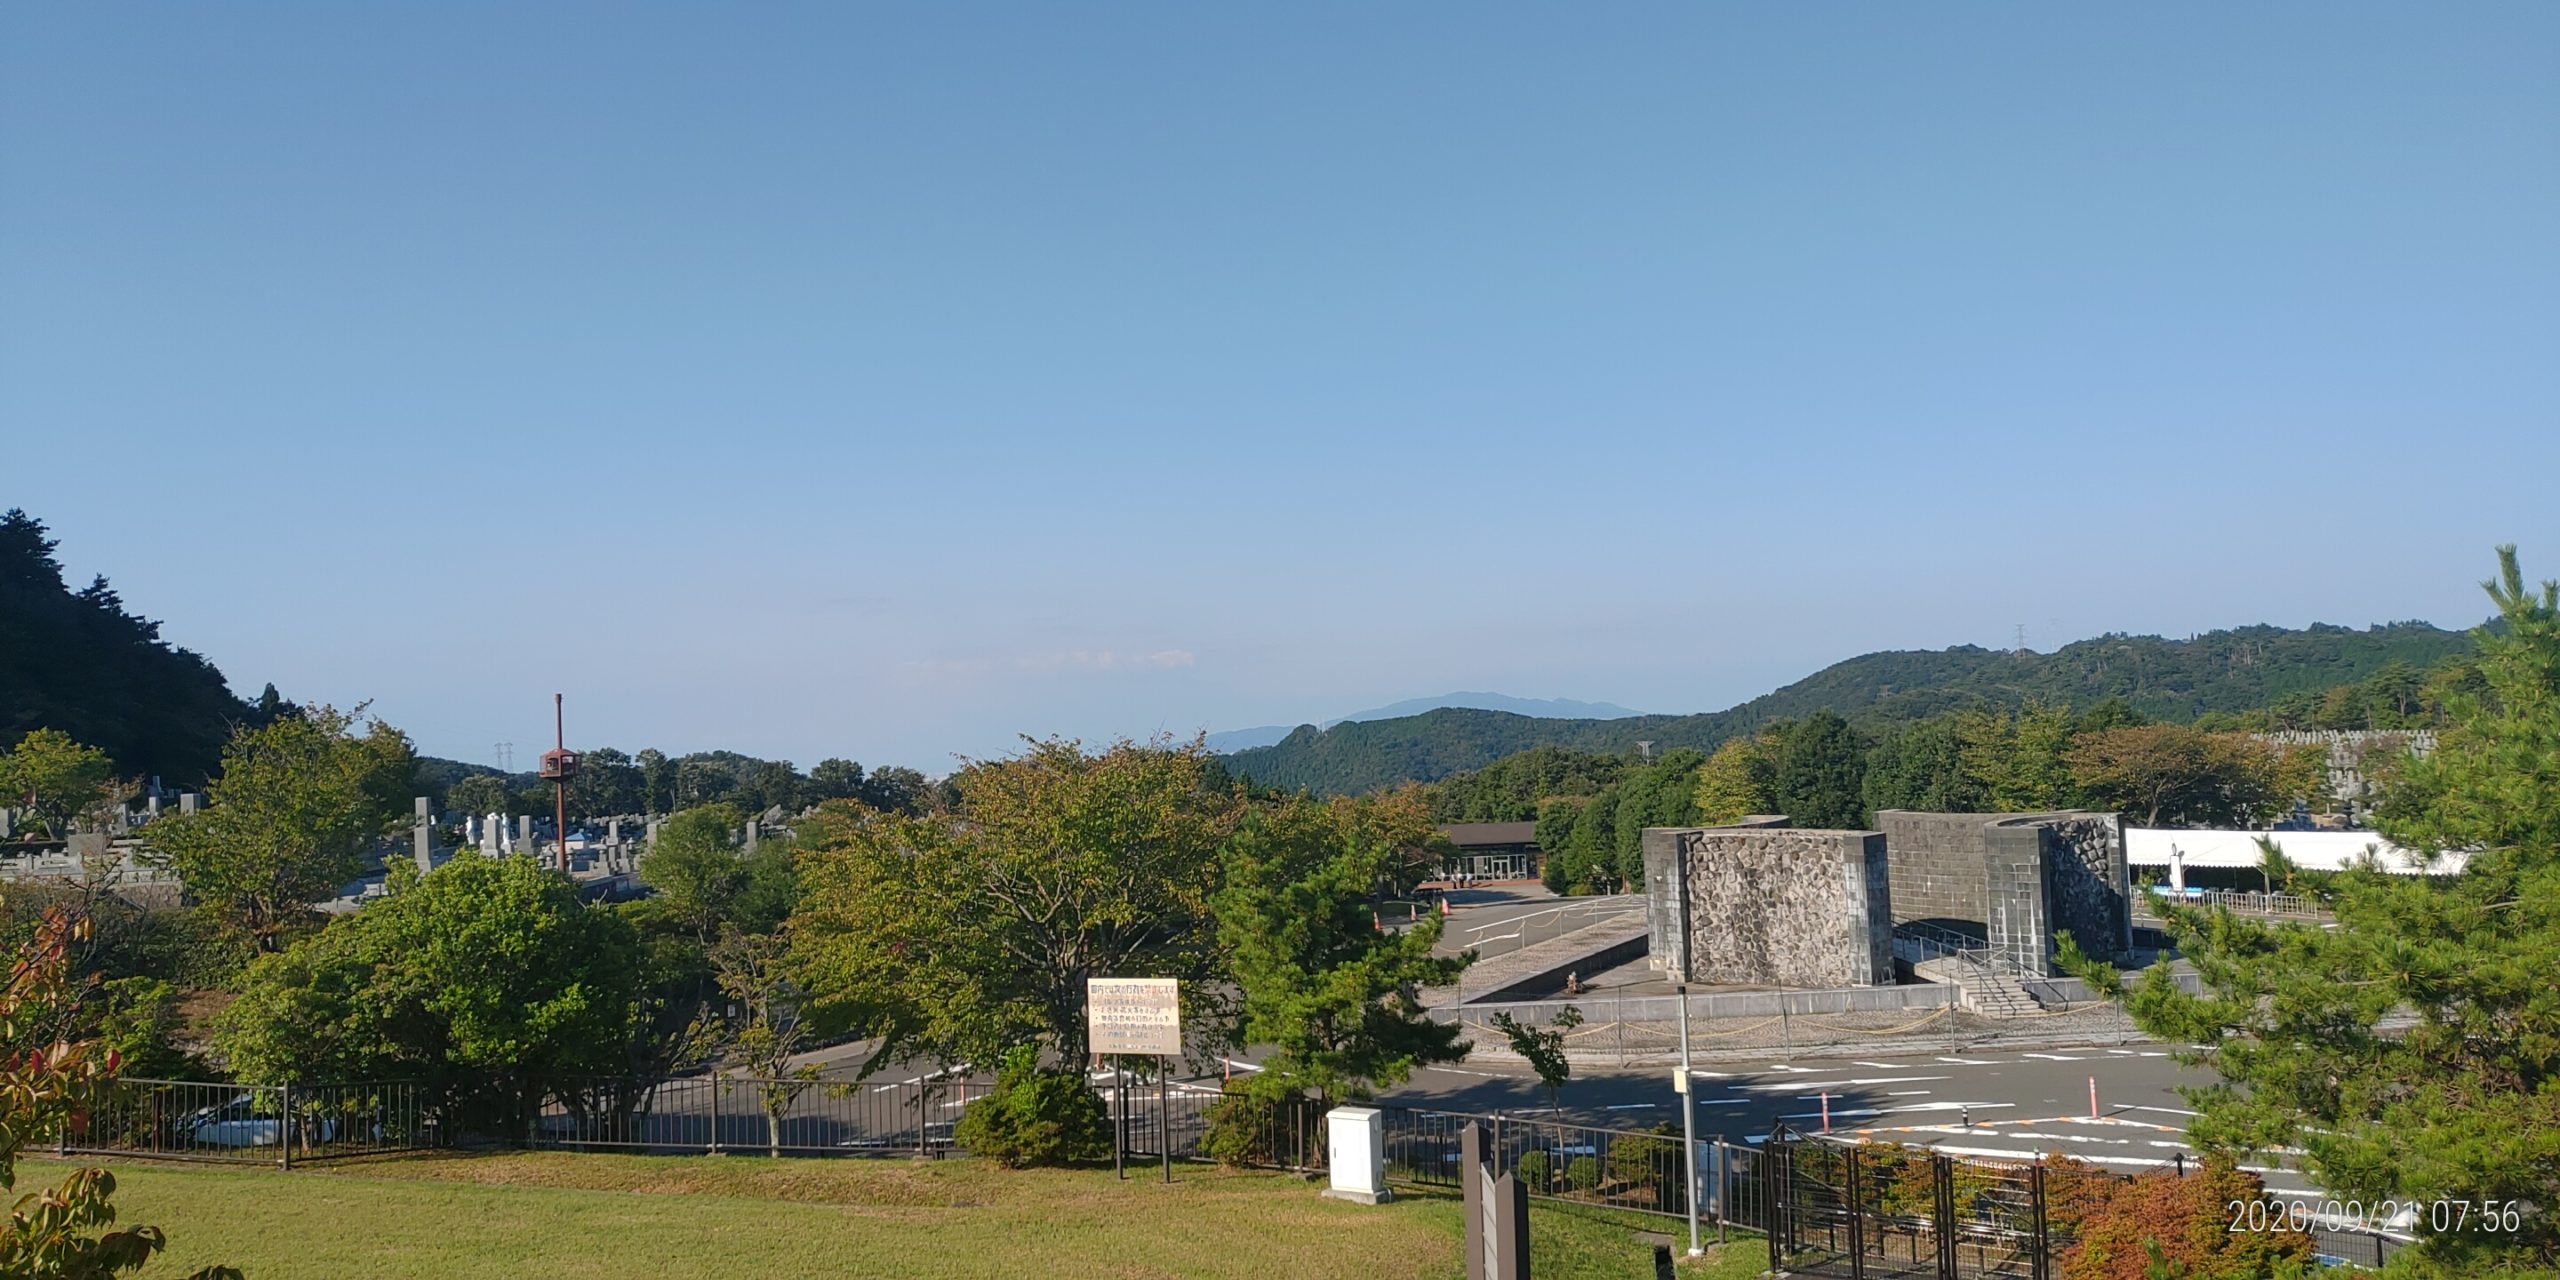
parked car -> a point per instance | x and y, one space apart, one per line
241 1122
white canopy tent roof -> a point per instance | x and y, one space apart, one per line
2309 850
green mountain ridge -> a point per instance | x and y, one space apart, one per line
2237 670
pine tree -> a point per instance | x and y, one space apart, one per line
2464 1106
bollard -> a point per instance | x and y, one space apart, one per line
1826 1112
2093 1097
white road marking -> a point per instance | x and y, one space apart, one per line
2169 1110
1973 1062
1908 1093
1800 1086
2053 1057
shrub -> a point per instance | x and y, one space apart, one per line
1035 1117
2160 1222
1582 1173
1640 1162
1242 1130
1534 1172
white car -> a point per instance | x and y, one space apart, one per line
240 1122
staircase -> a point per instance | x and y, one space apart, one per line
1986 989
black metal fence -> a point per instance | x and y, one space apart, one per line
1859 1211
724 1113
253 1124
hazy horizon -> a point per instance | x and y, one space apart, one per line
888 382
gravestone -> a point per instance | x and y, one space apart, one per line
424 836
186 802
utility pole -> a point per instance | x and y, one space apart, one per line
1688 1121
558 766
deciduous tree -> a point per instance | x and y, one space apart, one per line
298 803
960 935
487 980
54 777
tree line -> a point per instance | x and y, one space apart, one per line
2257 677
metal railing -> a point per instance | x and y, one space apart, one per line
253 1124
727 1113
2242 901
1530 928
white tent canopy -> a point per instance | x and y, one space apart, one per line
2309 850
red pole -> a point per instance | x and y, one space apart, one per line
1826 1112
2093 1097
560 742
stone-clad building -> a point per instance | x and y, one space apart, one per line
1760 903
2013 879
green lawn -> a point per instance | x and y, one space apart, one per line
678 1218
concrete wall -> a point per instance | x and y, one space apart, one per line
1775 906
1936 864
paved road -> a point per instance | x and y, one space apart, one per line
2003 1104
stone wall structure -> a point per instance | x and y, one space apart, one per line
2013 880
1771 905
1666 895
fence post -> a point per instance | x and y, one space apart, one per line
2035 1188
1943 1188
1857 1216
715 1111
924 1114
284 1125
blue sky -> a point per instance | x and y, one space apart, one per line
887 381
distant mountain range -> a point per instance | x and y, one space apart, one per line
1234 740
2238 670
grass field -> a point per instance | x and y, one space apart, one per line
679 1218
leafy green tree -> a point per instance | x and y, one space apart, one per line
657 781
835 779
1820 773
298 803
765 1031
54 777
47 1085
486 980
1660 793
2018 759
705 883
1543 1048
608 785
1920 765
1337 998
2462 1105
1739 780
897 789
481 794
960 935
2175 775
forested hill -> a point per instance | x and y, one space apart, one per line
78 662
2234 671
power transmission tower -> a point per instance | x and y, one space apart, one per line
506 757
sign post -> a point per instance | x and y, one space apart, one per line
1140 1016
